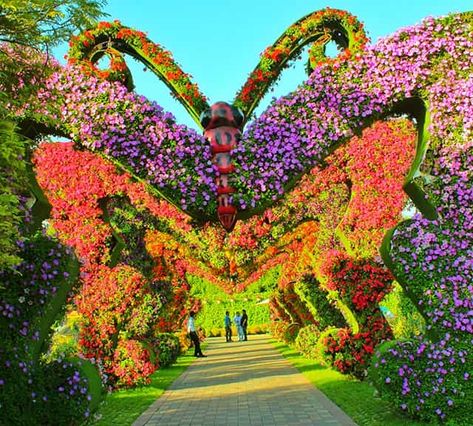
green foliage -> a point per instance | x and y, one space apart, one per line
215 302
28 27
402 315
306 341
323 309
130 227
45 23
64 341
167 346
12 181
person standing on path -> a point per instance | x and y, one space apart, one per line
228 327
237 321
244 325
193 335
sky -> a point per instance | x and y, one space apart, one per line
219 42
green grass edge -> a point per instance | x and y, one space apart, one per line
123 407
357 399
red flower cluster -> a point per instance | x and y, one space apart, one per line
132 364
361 284
391 144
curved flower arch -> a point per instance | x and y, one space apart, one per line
424 71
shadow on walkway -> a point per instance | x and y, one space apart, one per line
243 384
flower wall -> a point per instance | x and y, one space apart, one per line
137 133
306 125
361 285
337 271
32 297
430 376
123 293
339 98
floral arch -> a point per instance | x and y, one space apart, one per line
316 182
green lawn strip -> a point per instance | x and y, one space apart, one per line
355 398
122 408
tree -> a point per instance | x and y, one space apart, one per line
37 25
28 29
45 23
12 181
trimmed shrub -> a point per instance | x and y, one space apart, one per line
167 347
426 380
306 341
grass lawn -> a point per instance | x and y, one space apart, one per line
355 398
123 407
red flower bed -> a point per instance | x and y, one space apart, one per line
118 304
131 364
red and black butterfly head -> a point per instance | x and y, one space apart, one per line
221 114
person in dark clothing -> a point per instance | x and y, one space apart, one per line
228 327
244 324
194 337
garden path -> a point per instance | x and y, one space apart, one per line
242 384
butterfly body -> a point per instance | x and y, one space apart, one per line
222 130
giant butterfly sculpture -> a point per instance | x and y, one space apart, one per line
423 71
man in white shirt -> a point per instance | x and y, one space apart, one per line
194 337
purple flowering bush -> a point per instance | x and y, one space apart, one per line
32 295
298 131
135 133
430 377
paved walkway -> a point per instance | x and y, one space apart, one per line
242 384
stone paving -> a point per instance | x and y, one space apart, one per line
242 384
